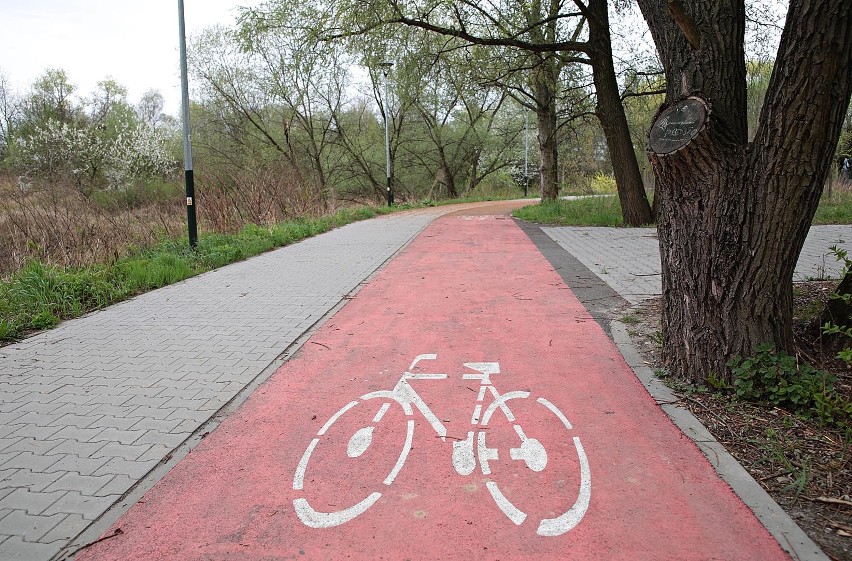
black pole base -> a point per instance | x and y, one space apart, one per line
191 223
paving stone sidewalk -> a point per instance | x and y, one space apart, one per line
89 408
628 259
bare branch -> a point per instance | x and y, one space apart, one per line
629 93
575 46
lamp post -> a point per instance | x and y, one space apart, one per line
386 66
187 139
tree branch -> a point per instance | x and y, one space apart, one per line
686 23
628 93
576 46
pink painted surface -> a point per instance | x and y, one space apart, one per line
469 289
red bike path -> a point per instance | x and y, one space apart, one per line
283 477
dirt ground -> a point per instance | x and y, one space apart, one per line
804 466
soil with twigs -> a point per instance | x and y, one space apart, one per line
804 465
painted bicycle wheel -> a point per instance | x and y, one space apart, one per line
351 459
537 442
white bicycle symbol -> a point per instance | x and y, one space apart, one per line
465 452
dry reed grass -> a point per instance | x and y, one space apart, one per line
55 224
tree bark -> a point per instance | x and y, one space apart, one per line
610 111
733 216
544 88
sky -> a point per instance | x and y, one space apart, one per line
134 42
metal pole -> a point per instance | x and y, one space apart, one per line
385 67
192 226
526 153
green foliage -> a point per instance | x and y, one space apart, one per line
603 184
587 211
845 330
836 209
779 379
629 319
40 296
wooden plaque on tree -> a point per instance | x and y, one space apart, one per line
677 125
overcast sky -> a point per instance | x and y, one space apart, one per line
135 42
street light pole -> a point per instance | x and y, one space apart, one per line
386 66
187 138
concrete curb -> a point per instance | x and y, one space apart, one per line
789 535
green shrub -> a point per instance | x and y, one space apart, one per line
603 184
779 379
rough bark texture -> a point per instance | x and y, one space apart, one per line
733 216
610 111
544 88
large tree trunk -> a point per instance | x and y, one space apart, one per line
733 216
544 86
610 111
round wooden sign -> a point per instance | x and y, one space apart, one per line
677 126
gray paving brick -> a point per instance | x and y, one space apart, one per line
30 461
79 464
27 479
16 549
37 432
80 435
34 445
70 526
31 502
146 412
31 528
86 484
79 421
169 439
156 424
118 450
5 442
78 409
188 425
121 436
89 507
174 406
72 447
118 485
7 430
131 468
6 474
37 419
113 422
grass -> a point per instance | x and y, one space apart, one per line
39 296
836 209
605 211
590 211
